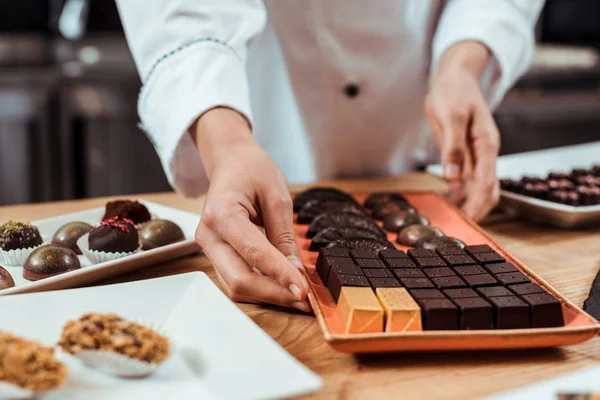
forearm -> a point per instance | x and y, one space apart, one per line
468 56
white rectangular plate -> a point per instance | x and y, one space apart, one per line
540 163
91 273
216 347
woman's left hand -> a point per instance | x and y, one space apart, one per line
464 128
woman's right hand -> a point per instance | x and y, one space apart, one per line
246 228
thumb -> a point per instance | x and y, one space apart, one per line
454 144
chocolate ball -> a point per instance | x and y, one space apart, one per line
6 280
378 199
160 232
439 242
49 260
133 210
114 236
68 234
19 235
413 233
397 221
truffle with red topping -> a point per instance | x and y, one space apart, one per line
115 235
133 210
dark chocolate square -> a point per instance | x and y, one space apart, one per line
475 313
408 273
494 291
501 268
392 253
459 260
367 263
430 262
488 258
510 312
384 282
460 293
378 273
448 282
421 253
437 272
324 263
363 253
335 252
345 268
335 283
469 270
510 278
526 288
451 251
400 263
481 248
427 294
546 311
416 283
438 314
480 280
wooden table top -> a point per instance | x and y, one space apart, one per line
568 260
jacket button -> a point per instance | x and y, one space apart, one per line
352 90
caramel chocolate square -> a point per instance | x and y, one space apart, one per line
421 253
400 263
510 278
488 258
392 253
469 270
427 294
384 282
359 310
368 263
456 260
416 283
437 272
408 273
546 311
526 288
378 273
480 280
501 268
474 313
438 314
510 312
448 282
430 262
402 313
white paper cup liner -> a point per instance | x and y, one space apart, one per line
97 257
10 391
118 364
16 257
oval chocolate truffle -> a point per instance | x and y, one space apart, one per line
19 235
319 193
114 236
439 242
338 219
49 260
326 236
314 208
413 233
6 280
382 211
397 221
160 232
68 234
380 198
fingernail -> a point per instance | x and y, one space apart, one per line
451 171
295 260
298 305
295 291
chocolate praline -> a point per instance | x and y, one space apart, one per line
133 210
6 280
114 236
397 221
49 260
380 198
380 212
16 235
440 242
413 233
319 193
160 232
68 234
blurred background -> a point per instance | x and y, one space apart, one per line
68 91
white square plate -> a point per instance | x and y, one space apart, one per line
91 273
217 348
540 163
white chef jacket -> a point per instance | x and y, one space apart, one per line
332 88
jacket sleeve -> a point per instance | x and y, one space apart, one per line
506 27
191 56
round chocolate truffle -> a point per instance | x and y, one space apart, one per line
160 232
439 242
413 233
6 280
397 221
114 236
68 234
49 260
19 235
133 210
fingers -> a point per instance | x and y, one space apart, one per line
241 284
454 142
484 191
233 226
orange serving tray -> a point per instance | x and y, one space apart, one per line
579 326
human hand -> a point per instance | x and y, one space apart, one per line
247 192
464 128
